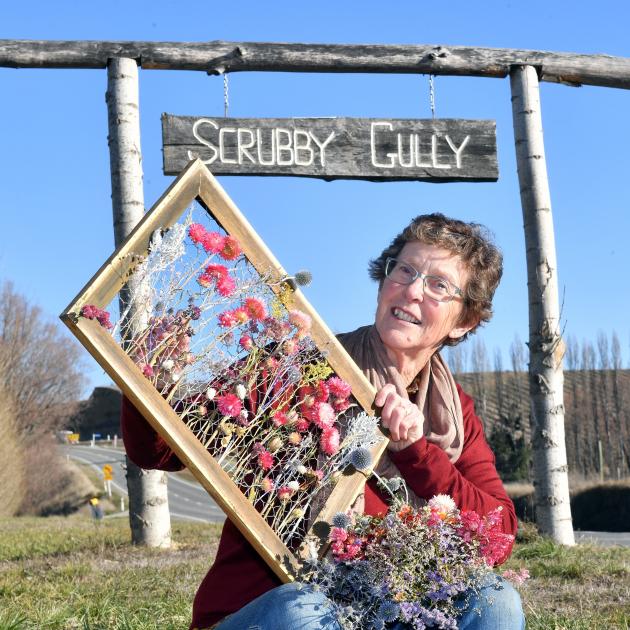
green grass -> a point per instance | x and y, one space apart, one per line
67 573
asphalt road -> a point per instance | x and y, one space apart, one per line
187 499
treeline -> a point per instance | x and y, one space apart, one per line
596 399
40 377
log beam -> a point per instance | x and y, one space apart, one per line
220 56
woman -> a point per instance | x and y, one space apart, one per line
436 283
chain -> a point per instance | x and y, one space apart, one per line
432 95
226 101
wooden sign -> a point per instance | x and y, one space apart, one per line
227 360
442 150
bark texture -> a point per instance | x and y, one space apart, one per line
149 516
217 57
553 511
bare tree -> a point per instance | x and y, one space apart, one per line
573 415
480 366
518 354
499 381
40 384
149 516
457 358
553 510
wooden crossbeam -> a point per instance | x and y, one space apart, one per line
220 56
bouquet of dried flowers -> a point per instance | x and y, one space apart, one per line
237 364
412 565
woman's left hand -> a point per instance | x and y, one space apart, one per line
400 417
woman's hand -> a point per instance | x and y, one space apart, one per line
400 417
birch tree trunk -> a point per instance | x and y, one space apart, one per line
149 516
553 510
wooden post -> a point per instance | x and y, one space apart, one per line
149 516
553 510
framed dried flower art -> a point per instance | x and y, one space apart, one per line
220 351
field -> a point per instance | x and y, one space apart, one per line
67 573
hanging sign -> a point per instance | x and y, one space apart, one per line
442 150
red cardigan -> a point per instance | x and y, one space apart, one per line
239 574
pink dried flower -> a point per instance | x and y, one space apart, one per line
231 249
255 308
227 319
147 370
322 415
301 321
338 387
213 242
205 281
197 233
279 418
302 424
337 534
229 405
241 315
265 459
285 493
89 311
516 577
246 342
226 286
216 271
329 441
321 391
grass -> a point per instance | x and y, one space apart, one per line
67 573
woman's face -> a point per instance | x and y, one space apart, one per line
411 324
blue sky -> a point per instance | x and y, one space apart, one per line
54 164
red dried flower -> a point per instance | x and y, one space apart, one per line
246 342
231 248
213 242
229 405
197 233
227 319
226 286
338 387
329 441
255 308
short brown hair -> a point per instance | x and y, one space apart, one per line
472 242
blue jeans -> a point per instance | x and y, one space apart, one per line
298 607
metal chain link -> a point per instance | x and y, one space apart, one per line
226 102
432 95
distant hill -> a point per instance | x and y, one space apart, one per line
100 413
597 408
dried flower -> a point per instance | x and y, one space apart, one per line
265 459
211 393
240 390
338 387
329 441
300 320
229 405
341 520
231 248
227 319
360 458
213 242
294 438
274 444
255 308
246 342
267 484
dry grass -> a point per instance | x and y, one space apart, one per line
70 573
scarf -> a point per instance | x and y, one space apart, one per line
436 397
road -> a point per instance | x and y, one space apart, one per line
187 499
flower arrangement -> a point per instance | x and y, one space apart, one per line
410 566
235 360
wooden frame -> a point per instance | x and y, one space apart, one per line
197 183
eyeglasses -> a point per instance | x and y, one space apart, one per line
437 288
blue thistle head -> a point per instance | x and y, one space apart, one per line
388 611
341 520
360 458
